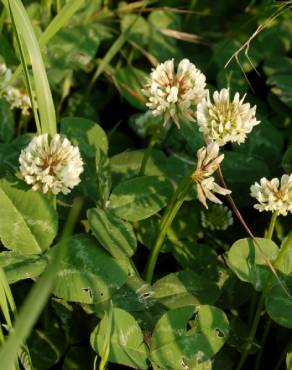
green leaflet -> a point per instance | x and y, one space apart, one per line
141 197
248 260
87 273
28 222
172 343
114 234
18 267
127 345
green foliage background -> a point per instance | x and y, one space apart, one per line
199 311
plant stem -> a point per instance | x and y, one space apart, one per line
233 205
153 140
252 307
2 19
242 221
58 6
282 356
263 341
271 228
260 305
53 199
252 332
168 216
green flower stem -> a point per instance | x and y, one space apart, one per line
252 307
283 356
260 305
53 199
58 6
263 341
147 153
277 263
2 19
252 332
271 228
103 361
167 219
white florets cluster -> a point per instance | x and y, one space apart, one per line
51 165
208 162
15 96
18 98
273 195
218 217
224 120
173 94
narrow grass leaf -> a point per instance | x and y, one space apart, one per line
56 24
43 94
24 65
60 20
114 49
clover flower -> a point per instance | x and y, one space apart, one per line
218 217
172 94
273 195
224 120
208 162
51 165
16 97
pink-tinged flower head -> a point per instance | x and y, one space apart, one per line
208 162
171 93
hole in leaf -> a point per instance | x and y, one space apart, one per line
88 290
220 333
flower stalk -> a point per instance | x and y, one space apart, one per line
166 221
272 225
260 305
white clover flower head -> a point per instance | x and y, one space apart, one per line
273 195
218 217
18 98
224 120
208 162
51 165
171 94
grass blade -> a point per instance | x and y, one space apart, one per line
26 73
8 310
58 22
115 48
43 94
